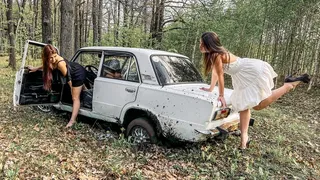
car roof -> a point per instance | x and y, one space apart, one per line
143 51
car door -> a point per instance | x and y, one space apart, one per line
111 94
28 86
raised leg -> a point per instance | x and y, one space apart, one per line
276 94
76 105
244 126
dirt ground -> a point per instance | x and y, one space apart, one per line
35 145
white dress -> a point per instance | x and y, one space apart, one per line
252 81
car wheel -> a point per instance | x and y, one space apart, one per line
141 131
44 108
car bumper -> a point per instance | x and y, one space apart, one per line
226 128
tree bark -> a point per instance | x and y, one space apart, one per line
116 30
109 21
124 35
95 21
67 23
100 17
46 21
315 74
33 29
20 21
145 16
156 28
76 26
131 14
2 32
12 55
55 30
86 25
82 25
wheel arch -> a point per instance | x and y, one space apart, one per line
134 113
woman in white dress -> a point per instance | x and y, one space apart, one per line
252 80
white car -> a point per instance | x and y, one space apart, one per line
158 93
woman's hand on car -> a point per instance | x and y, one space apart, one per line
205 89
223 101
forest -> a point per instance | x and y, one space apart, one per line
282 32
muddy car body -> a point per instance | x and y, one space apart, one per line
158 93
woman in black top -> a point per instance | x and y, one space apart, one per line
74 73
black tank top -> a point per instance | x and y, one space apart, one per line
75 72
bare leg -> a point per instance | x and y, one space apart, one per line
276 94
76 105
244 126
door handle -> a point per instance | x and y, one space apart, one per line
130 90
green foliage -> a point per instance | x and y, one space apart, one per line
275 31
127 37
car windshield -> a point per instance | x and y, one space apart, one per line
172 70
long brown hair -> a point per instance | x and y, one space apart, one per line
211 42
47 52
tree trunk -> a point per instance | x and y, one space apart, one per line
316 72
109 21
76 26
2 33
82 25
46 21
157 22
115 20
55 30
131 14
35 8
12 55
124 35
67 22
20 21
86 25
95 21
195 43
145 16
153 15
118 5
100 17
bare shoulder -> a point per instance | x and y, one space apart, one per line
62 66
228 58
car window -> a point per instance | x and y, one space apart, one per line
123 67
173 70
89 59
132 74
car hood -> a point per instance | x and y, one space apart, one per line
193 90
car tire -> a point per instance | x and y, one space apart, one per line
140 131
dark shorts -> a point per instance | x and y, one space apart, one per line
77 83
78 74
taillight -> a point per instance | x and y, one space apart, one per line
221 113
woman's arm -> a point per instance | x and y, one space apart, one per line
220 77
34 69
219 70
62 67
214 79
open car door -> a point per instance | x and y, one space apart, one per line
28 87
